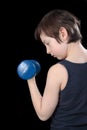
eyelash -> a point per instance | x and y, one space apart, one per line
47 43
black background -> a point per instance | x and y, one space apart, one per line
21 19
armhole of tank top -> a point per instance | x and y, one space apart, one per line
64 84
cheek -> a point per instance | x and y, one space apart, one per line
57 49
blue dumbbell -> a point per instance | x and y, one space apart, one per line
28 68
37 65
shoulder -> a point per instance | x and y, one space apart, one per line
59 74
57 68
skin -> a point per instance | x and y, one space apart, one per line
57 75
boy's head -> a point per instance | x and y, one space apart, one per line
52 22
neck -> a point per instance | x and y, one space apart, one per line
76 52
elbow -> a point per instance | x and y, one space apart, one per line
43 117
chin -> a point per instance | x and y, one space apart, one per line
60 58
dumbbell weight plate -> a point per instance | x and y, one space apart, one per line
26 69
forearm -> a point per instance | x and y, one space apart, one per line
36 96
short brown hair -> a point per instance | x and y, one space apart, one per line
53 20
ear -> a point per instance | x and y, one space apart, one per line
63 34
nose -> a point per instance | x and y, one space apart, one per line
48 50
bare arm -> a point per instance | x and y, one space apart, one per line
45 105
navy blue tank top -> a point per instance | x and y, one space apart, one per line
71 111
